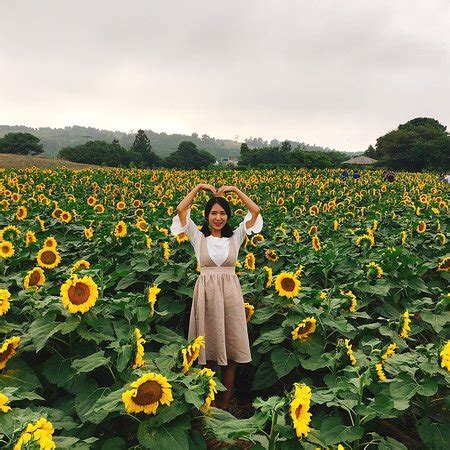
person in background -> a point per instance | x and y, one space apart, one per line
344 174
356 175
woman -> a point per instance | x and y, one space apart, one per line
217 311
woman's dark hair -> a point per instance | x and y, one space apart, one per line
226 231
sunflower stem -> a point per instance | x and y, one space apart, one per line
273 435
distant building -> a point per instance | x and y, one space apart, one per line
231 161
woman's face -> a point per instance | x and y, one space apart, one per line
217 217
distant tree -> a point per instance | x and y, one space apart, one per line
143 148
371 153
194 135
417 144
244 149
97 152
20 144
188 156
286 146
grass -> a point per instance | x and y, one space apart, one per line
9 161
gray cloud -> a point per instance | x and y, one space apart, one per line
333 73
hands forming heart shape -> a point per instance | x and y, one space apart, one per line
219 192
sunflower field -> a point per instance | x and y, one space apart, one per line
347 301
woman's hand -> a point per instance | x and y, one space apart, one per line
207 187
224 189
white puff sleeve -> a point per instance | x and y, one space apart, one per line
193 233
242 230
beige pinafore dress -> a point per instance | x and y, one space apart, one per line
218 312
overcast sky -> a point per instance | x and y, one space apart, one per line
333 73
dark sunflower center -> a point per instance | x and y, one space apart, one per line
58 213
288 284
48 257
79 293
148 393
5 249
446 263
34 278
305 328
5 355
298 411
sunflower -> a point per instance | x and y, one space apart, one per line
6 249
269 276
66 217
443 266
50 242
34 277
304 329
40 433
81 263
353 302
3 401
380 372
148 241
314 210
120 205
271 255
79 294
140 341
48 257
441 238
365 238
287 284
166 250
13 228
250 261
405 325
316 243
249 310
56 213
280 201
389 351
313 230
212 390
299 409
4 301
335 225
182 237
91 201
445 356
297 236
256 239
88 233
190 353
298 273
345 344
421 227
120 230
8 350
404 236
374 269
21 213
99 208
142 225
151 296
30 237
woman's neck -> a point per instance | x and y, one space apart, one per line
216 233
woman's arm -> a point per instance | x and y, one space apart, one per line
183 206
249 203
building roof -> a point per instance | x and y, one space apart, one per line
361 160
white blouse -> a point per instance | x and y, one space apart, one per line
218 247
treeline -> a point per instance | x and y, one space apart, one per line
419 144
140 154
285 155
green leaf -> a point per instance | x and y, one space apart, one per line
434 435
317 362
41 330
115 443
391 444
283 361
437 321
168 436
428 387
123 358
339 433
275 336
90 363
265 376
